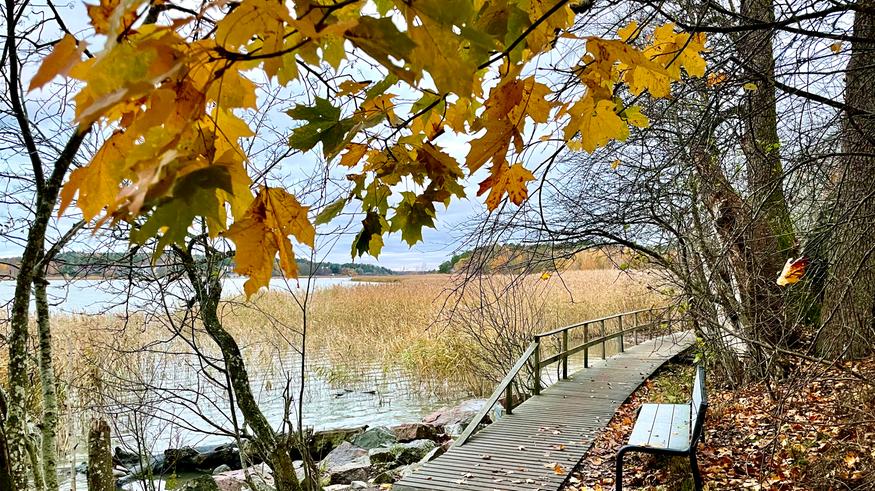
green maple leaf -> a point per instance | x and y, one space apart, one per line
324 125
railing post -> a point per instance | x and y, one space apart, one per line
508 398
635 331
565 354
537 354
602 333
586 343
622 341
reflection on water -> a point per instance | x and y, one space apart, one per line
185 406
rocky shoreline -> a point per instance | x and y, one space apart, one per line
349 458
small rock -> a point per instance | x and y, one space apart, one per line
222 468
359 485
347 473
416 431
337 487
378 436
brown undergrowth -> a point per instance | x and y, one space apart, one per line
817 433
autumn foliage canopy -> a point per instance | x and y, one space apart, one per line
171 90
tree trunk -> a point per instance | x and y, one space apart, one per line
100 476
5 472
770 238
274 448
49 448
849 296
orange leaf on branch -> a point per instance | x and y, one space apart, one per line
794 270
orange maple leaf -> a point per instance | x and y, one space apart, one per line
793 271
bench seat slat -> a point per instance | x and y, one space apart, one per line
664 426
641 431
680 429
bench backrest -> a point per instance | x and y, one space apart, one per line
699 405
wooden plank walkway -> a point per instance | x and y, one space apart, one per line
521 451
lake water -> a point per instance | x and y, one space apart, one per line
96 296
373 395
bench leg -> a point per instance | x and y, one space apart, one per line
618 479
694 466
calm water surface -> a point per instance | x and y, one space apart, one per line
96 296
334 397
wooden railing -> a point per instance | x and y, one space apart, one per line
653 317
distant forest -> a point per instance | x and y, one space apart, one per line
115 264
539 258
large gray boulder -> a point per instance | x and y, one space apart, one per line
323 442
461 414
411 452
381 456
344 454
378 436
213 457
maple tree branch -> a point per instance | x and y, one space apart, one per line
63 26
844 106
18 109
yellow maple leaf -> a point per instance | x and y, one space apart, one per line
65 54
253 17
354 153
615 164
836 47
548 26
264 231
627 32
597 123
634 117
491 146
750 87
794 270
351 87
442 54
511 180
97 184
545 276
111 17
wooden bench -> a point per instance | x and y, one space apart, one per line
669 429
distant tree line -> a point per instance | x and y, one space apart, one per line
118 264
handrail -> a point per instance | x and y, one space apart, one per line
593 321
534 349
504 384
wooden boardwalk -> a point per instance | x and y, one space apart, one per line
537 446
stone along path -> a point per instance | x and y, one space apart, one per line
537 446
